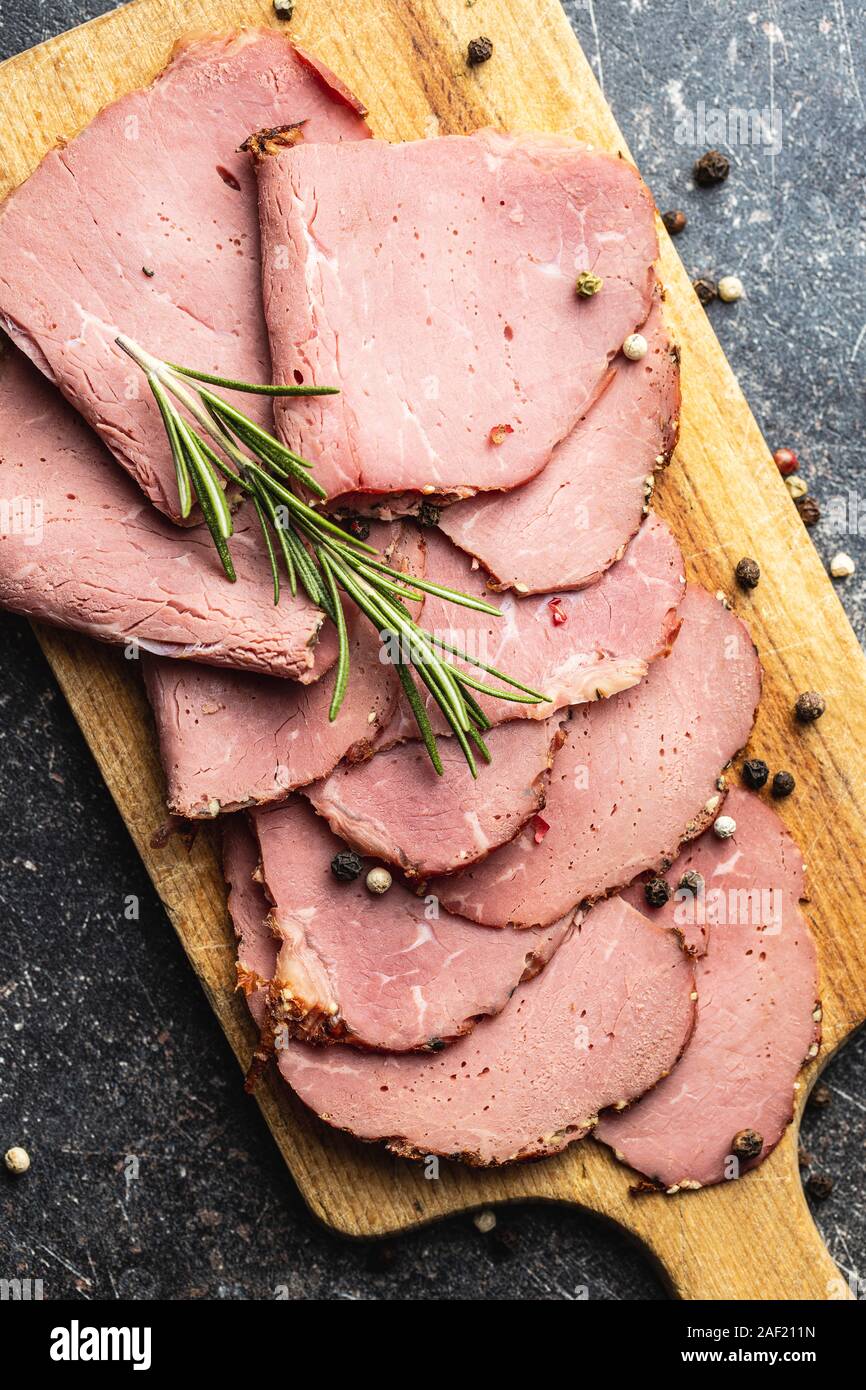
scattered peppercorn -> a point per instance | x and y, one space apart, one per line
657 892
435 1045
804 1158
346 866
479 51
675 222
379 880
635 347
809 706
842 566
692 882
484 1221
146 270
783 785
786 461
712 168
820 1096
284 9
17 1160
810 512
725 827
747 1144
429 514
797 486
587 284
706 290
748 573
755 773
819 1186
730 289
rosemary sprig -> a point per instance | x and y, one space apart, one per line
217 442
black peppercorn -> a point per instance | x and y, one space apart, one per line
146 270
284 9
346 866
479 51
810 512
783 784
748 573
755 773
429 514
819 1186
712 168
747 1144
691 882
809 706
706 290
435 1045
675 221
657 892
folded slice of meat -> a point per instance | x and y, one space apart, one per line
581 645
757 1016
145 224
397 808
562 529
81 548
636 776
230 739
388 971
606 1019
434 283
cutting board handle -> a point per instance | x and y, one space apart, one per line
751 1240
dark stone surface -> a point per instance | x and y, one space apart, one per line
108 1050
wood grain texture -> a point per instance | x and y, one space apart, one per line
405 59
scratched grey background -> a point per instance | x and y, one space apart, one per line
107 1046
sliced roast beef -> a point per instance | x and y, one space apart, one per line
580 645
606 1019
230 739
81 548
248 907
562 529
635 777
384 971
757 1017
396 807
145 224
434 283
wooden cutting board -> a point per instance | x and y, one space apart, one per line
724 498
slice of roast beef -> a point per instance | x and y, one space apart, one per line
249 908
636 776
581 645
230 739
434 283
384 971
81 548
562 529
145 224
397 808
757 1017
604 1022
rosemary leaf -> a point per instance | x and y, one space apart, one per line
263 522
282 537
253 389
206 482
536 698
464 600
342 678
168 413
422 719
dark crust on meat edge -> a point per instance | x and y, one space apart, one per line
399 1146
271 141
